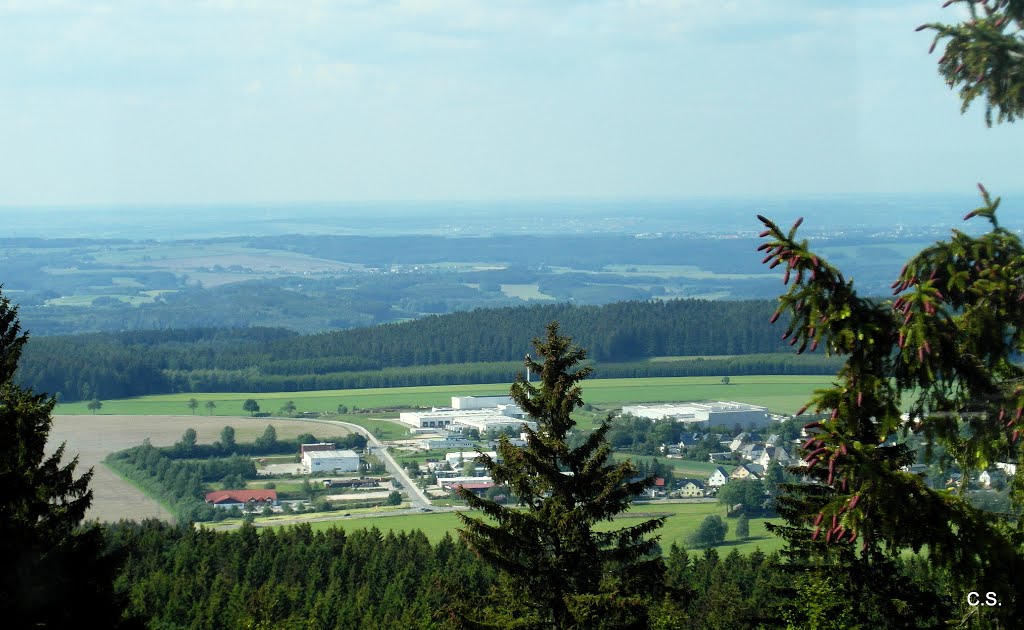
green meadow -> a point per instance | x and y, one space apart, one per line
781 394
682 520
682 468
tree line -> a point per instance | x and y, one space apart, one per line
477 346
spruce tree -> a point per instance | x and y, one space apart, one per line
947 346
558 569
54 570
984 56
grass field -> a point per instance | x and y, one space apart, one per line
682 521
682 468
781 394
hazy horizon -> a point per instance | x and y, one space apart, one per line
824 214
129 103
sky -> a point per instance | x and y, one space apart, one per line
263 102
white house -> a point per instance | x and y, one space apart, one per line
773 454
718 478
330 461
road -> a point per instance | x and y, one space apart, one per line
417 499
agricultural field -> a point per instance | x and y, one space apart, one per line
92 438
525 292
781 394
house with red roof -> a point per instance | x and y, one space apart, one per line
244 499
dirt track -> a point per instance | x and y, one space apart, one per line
93 437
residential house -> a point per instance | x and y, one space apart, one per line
772 455
688 440
747 471
725 456
740 441
658 489
692 489
751 452
718 478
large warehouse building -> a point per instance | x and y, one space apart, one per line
469 412
706 414
330 461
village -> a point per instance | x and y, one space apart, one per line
439 457
724 441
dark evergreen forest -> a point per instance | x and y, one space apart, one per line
180 577
480 346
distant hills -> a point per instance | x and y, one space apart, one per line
314 283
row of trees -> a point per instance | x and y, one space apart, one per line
193 404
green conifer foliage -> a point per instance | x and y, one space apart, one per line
558 570
984 56
53 569
945 345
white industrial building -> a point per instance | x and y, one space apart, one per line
706 414
488 420
481 402
456 460
330 461
469 412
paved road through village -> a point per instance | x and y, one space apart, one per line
417 498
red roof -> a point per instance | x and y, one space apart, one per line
658 481
241 496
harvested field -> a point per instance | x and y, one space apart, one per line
93 437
